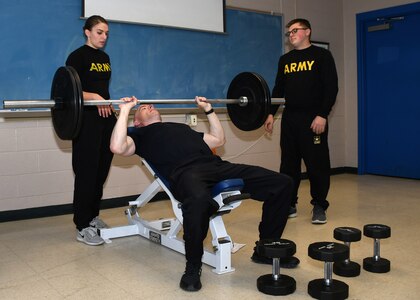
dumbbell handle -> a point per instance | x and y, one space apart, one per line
328 270
276 268
348 259
376 249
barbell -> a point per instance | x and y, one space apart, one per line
248 102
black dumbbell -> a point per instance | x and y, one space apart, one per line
276 283
347 268
376 264
327 288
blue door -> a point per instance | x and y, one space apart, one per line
389 91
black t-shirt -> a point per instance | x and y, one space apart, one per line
307 79
168 146
94 69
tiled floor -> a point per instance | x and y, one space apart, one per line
41 259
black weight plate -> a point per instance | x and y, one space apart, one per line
255 88
346 268
78 100
328 251
284 285
376 266
66 93
377 231
347 234
276 248
336 290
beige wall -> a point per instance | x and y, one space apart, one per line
36 166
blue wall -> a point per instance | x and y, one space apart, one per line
148 62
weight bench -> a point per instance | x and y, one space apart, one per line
226 193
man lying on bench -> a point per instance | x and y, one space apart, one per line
184 157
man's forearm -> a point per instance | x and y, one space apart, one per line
119 143
216 128
216 134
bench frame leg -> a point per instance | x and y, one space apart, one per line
165 231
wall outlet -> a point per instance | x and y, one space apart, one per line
191 119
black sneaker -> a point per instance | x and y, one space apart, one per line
256 258
286 262
190 281
318 215
292 212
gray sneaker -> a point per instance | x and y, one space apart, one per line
89 236
318 215
292 212
98 223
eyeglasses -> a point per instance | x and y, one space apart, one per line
294 31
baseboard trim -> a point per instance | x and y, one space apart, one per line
64 209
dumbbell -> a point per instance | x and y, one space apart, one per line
327 288
376 264
276 283
347 268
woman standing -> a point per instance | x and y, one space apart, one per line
92 158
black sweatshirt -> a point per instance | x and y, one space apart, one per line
94 69
307 79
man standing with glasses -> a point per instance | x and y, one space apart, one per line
307 79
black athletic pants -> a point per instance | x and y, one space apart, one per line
192 186
91 162
298 142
